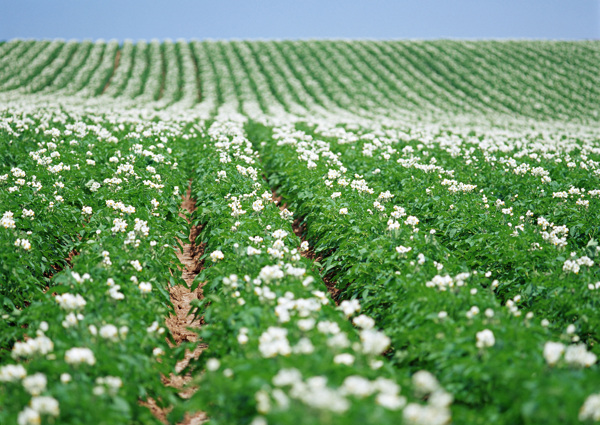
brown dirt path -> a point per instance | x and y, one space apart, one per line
180 322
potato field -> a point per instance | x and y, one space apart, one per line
299 232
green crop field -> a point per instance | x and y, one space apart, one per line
299 232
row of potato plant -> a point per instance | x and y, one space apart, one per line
86 344
440 311
337 80
279 350
525 214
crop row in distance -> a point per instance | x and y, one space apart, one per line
450 189
454 81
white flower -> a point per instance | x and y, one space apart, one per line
28 213
286 214
23 243
316 394
571 266
402 250
306 324
131 239
38 345
136 265
357 386
287 377
280 234
269 273
86 210
7 220
339 340
259 420
12 372
387 195
474 311
585 261
213 364
440 398
45 405
153 327
425 383
114 293
263 401
393 225
273 342
374 342
17 172
577 355
70 302
216 255
79 355
416 414
35 384
364 322
109 332
349 307
258 205
344 358
141 227
253 251
327 327
553 351
304 346
391 401
343 211
70 321
29 417
119 225
485 338
590 409
411 220
80 278
145 287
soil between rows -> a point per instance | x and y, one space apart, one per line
181 321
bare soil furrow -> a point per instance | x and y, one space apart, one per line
181 322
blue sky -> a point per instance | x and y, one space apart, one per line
276 19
